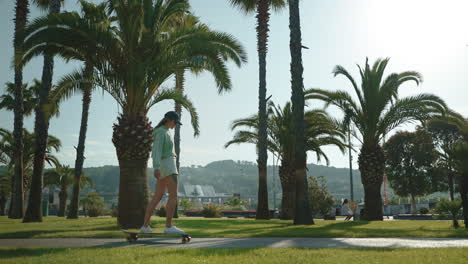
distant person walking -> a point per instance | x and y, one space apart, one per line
346 210
165 171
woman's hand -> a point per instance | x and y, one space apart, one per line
157 174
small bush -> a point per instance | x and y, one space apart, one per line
161 212
95 211
424 210
211 211
449 208
93 205
115 212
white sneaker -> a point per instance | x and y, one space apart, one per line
146 229
173 230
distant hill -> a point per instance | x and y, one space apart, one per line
230 176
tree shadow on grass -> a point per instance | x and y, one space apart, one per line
6 253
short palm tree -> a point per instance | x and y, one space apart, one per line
261 8
133 59
7 149
30 99
62 177
376 112
321 130
5 185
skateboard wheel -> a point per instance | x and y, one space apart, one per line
186 239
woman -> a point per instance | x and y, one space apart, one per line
346 210
165 171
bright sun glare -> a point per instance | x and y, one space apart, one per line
425 31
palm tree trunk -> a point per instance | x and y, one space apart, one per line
413 204
41 127
3 201
288 184
180 80
303 212
17 202
263 18
464 196
132 139
74 203
371 164
450 183
63 195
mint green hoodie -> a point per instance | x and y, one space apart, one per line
163 146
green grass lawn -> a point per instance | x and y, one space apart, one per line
54 227
169 256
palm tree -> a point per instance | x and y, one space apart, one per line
262 10
17 203
377 111
133 60
63 176
320 130
303 214
5 186
30 102
7 149
70 84
41 129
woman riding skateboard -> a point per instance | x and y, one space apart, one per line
165 171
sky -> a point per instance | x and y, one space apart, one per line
423 35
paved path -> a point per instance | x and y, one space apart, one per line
243 242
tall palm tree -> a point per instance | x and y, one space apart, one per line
17 203
320 130
81 81
262 10
41 129
376 112
303 214
63 176
133 60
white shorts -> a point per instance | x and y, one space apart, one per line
168 167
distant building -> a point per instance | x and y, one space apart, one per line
203 193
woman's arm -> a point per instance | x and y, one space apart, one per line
158 141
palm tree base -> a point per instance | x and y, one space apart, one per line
373 210
133 193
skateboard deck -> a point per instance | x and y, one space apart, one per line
132 235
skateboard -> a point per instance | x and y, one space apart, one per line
132 235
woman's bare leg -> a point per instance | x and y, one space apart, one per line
158 194
171 203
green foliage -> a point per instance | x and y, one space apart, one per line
378 109
320 130
93 205
423 210
409 160
445 208
321 200
143 32
186 204
234 203
161 212
211 210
